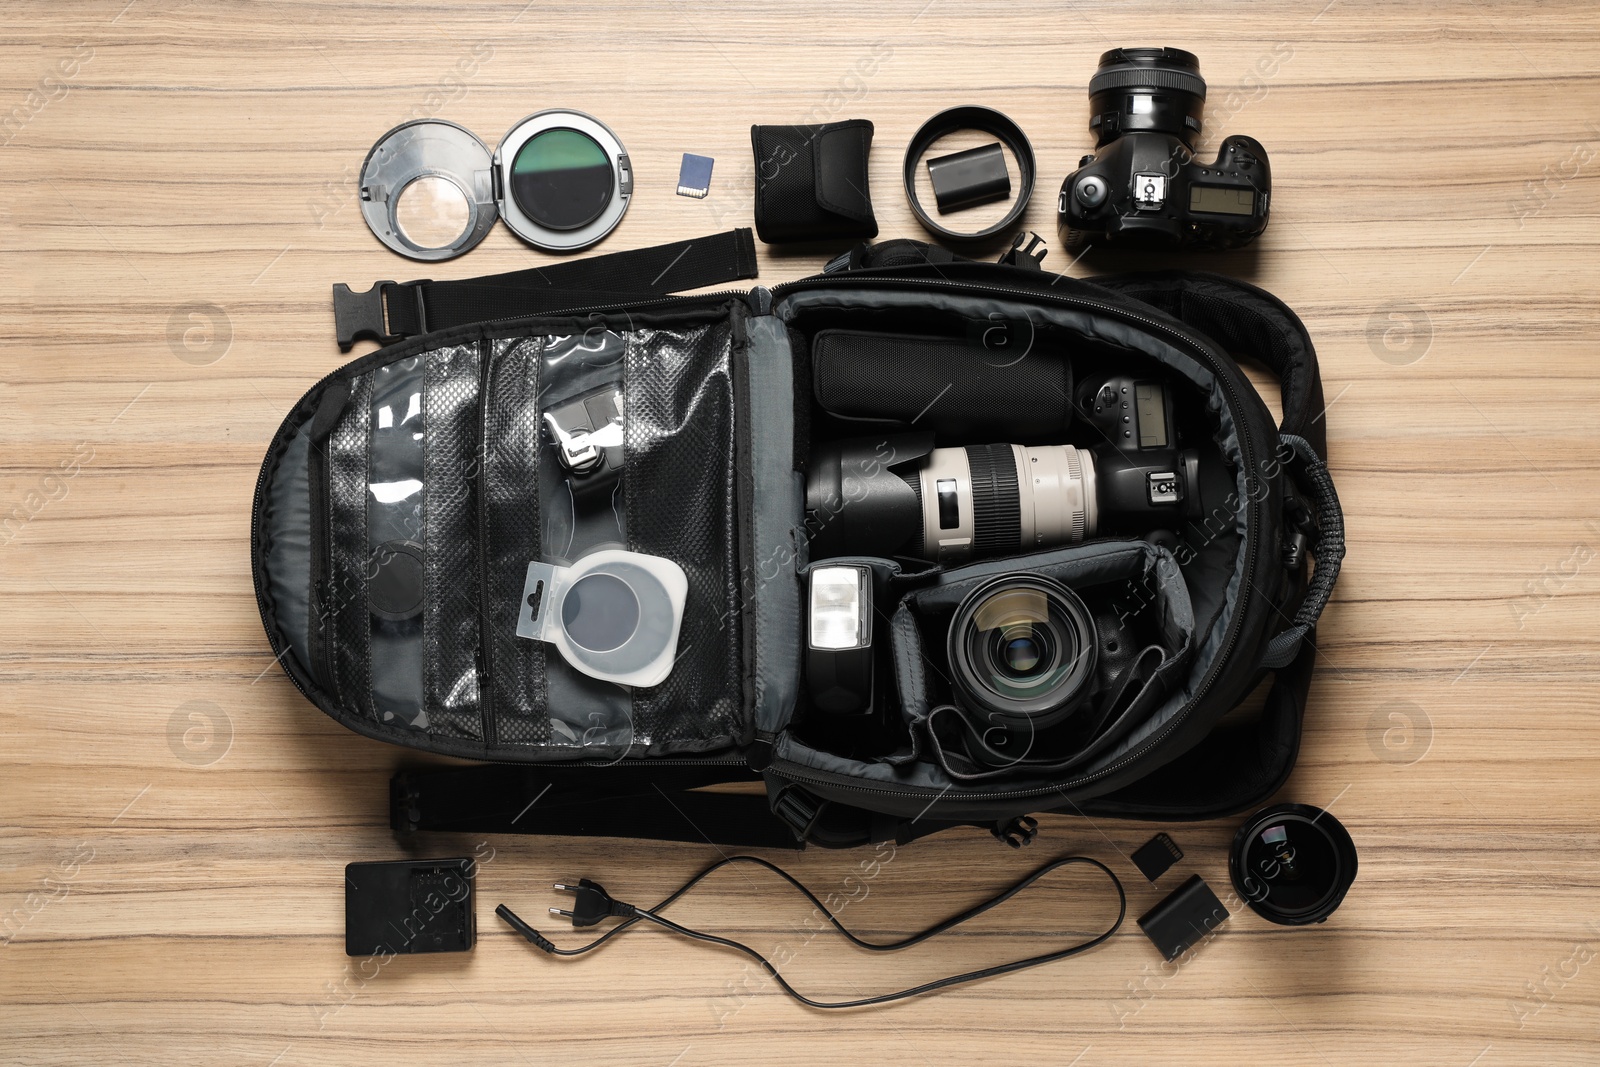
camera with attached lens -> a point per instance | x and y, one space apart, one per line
1143 183
1035 666
901 496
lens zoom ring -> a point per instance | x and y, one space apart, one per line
1080 514
996 504
1148 77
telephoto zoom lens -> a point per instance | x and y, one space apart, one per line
998 500
902 497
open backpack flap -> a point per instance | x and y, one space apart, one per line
403 500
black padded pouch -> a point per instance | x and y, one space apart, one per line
960 386
811 181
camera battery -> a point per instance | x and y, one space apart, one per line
967 179
1189 913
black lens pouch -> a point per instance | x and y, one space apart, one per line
977 388
811 181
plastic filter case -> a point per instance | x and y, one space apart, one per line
614 615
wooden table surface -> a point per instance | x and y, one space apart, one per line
179 190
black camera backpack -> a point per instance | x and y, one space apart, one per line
718 425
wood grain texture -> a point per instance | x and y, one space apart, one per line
173 896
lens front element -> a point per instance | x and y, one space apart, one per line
1022 649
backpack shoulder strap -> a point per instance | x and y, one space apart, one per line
1247 321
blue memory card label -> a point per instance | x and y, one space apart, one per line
694 176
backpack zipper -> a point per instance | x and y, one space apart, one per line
319 639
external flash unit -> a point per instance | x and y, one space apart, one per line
839 639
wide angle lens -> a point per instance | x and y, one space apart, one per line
1292 863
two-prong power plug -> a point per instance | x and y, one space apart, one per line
590 904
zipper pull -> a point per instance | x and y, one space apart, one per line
761 299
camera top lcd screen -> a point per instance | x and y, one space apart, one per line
1152 411
1222 199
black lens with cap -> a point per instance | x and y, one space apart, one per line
1293 864
1154 89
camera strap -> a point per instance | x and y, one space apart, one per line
390 311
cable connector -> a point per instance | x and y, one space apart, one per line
514 921
591 904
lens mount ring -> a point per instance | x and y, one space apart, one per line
984 120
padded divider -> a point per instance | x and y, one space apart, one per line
346 596
512 535
450 608
678 481
777 492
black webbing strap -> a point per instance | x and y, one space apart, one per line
623 800
390 310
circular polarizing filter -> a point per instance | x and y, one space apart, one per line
561 179
566 180
394 580
600 612
613 614
427 190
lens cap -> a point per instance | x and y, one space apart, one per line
614 615
1293 864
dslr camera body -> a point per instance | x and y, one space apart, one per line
1143 184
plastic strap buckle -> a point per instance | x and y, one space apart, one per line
364 316
1016 832
1031 257
798 809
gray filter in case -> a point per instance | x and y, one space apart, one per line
613 615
